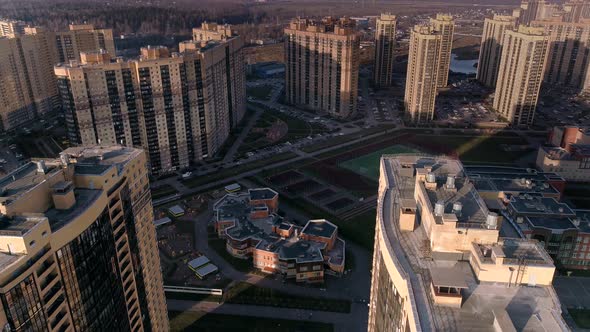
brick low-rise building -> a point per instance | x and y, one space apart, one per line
567 153
251 227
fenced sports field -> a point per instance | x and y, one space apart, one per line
368 165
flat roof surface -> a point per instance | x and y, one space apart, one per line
481 299
95 160
262 193
84 200
206 270
551 223
499 178
584 218
447 277
302 251
18 226
22 180
198 262
233 186
176 209
528 204
319 227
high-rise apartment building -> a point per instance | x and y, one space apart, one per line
439 263
445 26
78 245
568 58
491 47
384 50
567 153
522 66
175 106
234 61
27 84
531 10
82 38
421 78
11 28
576 10
322 64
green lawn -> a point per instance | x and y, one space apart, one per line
297 129
259 92
246 293
349 137
368 165
581 317
229 172
473 149
196 321
244 265
360 229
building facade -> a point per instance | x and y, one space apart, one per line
444 25
532 10
421 78
251 227
82 38
491 48
27 84
565 233
567 153
576 10
79 248
11 28
322 64
569 48
522 66
175 106
435 242
235 72
384 50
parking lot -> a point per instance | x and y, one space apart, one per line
563 107
465 103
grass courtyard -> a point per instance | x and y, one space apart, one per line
296 129
368 165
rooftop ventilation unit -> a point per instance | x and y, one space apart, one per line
41 168
492 220
450 182
439 208
430 177
457 208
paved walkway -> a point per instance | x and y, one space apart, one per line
231 153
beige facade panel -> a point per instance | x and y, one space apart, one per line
491 48
422 73
83 38
384 50
322 63
568 58
78 238
422 271
176 106
444 25
522 66
26 75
